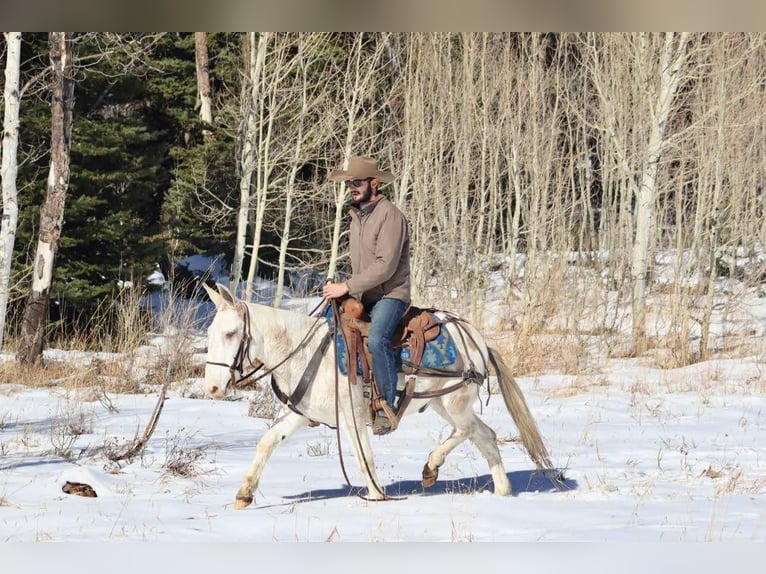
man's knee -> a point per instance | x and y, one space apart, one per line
376 342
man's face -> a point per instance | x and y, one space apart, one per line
361 190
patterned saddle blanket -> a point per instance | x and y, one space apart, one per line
440 352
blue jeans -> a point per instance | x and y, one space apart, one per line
385 316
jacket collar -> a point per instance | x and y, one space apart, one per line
365 211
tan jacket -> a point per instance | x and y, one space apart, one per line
379 242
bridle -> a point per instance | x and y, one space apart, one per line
243 351
242 354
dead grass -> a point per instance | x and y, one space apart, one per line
37 376
731 480
181 459
113 376
578 386
542 353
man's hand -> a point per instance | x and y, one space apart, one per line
335 290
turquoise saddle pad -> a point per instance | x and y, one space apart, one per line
439 353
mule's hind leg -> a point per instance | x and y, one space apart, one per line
285 426
467 424
485 440
437 456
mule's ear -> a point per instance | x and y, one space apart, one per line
226 294
215 297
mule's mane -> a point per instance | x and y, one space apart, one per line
273 318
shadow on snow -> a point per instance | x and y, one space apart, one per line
521 481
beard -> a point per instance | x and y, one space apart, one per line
364 196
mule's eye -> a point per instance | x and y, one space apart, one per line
230 335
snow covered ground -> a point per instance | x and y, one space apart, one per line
649 455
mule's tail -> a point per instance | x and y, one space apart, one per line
522 417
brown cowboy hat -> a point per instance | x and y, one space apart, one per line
361 168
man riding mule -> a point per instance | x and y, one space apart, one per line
380 265
246 338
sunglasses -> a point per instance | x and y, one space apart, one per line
356 182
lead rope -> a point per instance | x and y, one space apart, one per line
336 324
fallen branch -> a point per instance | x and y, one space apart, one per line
138 445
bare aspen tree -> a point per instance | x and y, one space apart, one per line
52 211
204 99
710 145
730 107
427 86
672 54
9 170
310 133
251 97
274 147
608 102
510 145
363 65
634 122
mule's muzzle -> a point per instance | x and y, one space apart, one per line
215 391
218 389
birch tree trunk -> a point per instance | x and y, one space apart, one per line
269 105
8 172
672 56
290 187
361 73
52 211
256 62
204 100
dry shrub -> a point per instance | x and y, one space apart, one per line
578 386
545 353
261 404
640 388
180 458
70 423
320 448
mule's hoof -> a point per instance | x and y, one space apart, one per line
429 476
243 502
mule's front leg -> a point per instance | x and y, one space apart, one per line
285 426
360 442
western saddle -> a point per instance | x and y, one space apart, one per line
416 328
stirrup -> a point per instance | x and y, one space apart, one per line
385 421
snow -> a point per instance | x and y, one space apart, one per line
650 455
667 462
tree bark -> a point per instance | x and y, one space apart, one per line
256 60
203 79
9 170
52 211
671 60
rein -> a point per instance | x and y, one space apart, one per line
336 329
